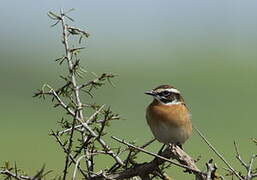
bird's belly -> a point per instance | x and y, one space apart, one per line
168 134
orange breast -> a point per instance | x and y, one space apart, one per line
175 115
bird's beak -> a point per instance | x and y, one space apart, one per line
151 93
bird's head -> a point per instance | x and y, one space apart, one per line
166 94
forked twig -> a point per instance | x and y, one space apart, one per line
217 153
238 156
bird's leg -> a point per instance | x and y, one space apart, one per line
160 151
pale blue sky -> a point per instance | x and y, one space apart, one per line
121 28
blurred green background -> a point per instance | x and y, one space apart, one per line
207 49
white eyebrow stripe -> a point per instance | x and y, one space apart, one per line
173 90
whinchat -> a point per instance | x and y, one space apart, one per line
168 115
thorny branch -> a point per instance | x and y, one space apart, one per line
66 152
18 175
14 175
71 90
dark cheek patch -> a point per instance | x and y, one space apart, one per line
164 100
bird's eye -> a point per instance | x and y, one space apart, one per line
165 93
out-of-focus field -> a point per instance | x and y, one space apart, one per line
209 56
221 96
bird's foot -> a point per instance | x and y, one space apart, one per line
172 145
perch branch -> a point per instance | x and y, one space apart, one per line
148 168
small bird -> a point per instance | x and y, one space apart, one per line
168 116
